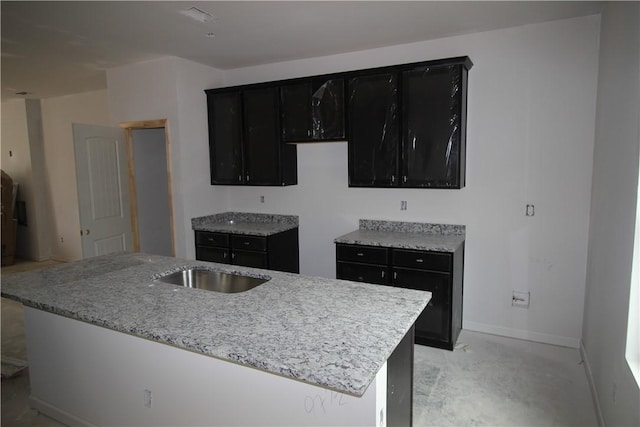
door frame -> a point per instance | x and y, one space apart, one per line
129 127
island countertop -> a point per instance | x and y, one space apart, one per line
331 333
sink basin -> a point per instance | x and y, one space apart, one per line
212 280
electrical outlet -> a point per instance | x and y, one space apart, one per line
147 398
520 299
261 199
530 211
403 205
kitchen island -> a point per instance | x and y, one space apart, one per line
108 344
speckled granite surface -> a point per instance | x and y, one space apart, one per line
245 223
406 235
332 333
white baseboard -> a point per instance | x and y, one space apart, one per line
592 384
57 414
522 334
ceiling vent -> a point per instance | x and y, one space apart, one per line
197 14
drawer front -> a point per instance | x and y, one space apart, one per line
378 274
211 254
212 239
434 261
249 243
249 259
435 320
363 254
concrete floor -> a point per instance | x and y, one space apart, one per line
486 381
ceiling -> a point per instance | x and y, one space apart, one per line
59 48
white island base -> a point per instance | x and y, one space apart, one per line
82 374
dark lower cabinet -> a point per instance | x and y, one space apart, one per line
437 272
275 252
400 383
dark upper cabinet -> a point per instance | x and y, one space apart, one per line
244 138
407 125
374 131
313 110
225 137
433 147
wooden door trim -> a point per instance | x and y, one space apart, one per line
148 124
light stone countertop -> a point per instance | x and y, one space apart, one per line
331 333
406 235
254 224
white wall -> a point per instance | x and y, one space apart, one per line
173 89
22 135
58 114
532 95
613 206
531 114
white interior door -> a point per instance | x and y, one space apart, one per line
103 193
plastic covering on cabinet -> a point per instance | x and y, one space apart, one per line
432 108
374 136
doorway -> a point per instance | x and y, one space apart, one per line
149 160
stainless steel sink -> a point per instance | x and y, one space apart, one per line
212 280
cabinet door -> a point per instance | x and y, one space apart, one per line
313 110
295 102
434 322
432 122
225 137
261 137
368 273
249 258
208 253
327 109
374 133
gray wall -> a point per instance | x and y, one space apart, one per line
613 207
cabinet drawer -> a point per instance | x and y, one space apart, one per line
249 243
363 254
208 253
249 259
212 239
378 274
434 261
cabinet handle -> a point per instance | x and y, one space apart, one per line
395 275
419 260
404 178
233 256
224 255
360 254
246 243
393 179
383 274
247 178
239 178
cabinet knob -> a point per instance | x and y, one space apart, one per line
360 278
360 254
419 260
246 243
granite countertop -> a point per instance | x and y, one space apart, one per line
406 235
331 333
254 224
